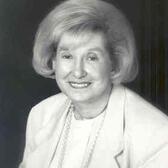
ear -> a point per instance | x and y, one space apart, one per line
113 70
113 74
115 77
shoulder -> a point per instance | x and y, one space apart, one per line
138 110
146 126
42 112
51 101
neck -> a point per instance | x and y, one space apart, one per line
92 108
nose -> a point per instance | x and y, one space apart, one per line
79 69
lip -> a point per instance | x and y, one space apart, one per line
79 85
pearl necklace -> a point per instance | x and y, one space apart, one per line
89 154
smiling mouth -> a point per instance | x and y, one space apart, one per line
80 85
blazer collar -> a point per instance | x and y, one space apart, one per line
114 121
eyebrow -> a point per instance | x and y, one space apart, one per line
96 49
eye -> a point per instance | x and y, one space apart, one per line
65 55
92 56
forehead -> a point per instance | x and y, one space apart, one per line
88 40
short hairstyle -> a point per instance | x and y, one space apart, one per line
81 16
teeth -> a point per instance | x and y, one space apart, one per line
79 85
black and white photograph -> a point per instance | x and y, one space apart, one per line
84 84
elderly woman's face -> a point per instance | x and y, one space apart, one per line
83 67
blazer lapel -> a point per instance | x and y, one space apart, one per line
110 142
47 140
55 138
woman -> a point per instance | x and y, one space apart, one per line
88 47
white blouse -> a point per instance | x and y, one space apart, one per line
76 143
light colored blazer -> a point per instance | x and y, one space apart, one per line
134 134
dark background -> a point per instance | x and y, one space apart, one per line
21 88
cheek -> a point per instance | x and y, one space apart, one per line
62 68
102 72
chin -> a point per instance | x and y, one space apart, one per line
78 97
